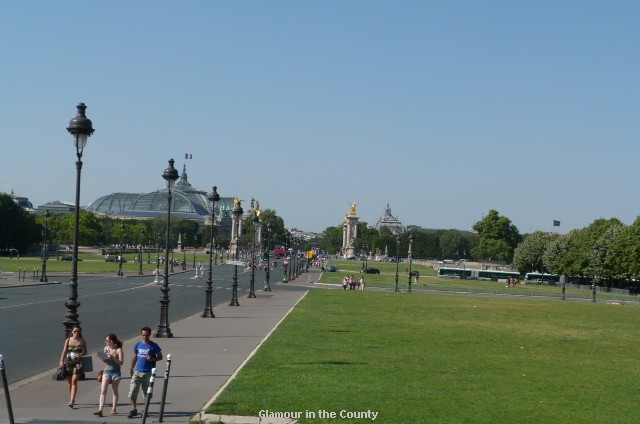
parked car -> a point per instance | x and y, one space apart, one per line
372 271
68 258
112 258
332 268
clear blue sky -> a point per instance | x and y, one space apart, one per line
442 109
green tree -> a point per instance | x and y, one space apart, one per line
18 228
529 255
498 237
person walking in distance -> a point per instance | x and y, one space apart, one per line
71 359
145 355
113 358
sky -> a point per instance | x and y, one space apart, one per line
443 110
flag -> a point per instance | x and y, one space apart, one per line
556 223
188 156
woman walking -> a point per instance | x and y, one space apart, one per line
71 359
113 358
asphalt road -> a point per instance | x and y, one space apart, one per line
31 329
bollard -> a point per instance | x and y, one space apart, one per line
164 387
147 400
6 390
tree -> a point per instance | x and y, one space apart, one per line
18 228
528 256
498 237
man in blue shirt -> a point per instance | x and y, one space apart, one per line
145 355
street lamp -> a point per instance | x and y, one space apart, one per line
140 253
256 222
596 253
285 263
411 240
173 242
121 258
208 310
563 277
267 254
397 260
149 250
81 129
170 175
156 280
237 213
45 254
184 256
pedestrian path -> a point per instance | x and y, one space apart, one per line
205 353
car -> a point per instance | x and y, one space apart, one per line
332 268
372 271
68 258
113 258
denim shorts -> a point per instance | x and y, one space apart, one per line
113 375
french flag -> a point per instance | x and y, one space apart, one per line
188 156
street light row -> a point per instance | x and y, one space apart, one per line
81 128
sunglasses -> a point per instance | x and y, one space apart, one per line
75 331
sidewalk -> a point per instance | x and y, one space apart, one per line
205 353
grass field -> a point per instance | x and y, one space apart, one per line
424 358
91 263
429 281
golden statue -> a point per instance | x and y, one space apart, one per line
353 211
237 203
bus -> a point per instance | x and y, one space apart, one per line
541 278
478 274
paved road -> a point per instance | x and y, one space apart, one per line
31 330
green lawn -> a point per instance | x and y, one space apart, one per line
90 263
429 281
425 358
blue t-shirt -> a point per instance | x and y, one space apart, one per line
141 350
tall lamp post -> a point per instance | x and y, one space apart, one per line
170 175
140 252
411 240
121 258
45 254
267 254
237 213
81 129
256 222
596 253
563 277
397 260
157 279
149 244
184 256
208 310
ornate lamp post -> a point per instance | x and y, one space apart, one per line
397 260
157 279
267 254
170 175
256 222
140 252
149 250
285 276
45 253
184 257
563 277
121 258
596 254
208 310
81 129
237 214
173 242
411 240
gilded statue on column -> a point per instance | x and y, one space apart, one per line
353 209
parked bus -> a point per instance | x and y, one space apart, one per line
477 274
541 278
